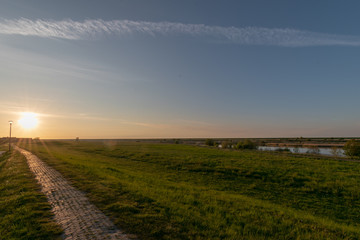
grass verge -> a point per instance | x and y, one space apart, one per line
24 211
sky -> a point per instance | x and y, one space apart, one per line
180 69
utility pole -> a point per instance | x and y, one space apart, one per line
10 136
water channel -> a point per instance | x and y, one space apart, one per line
322 151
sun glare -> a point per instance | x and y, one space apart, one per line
28 120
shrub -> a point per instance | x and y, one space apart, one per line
226 144
313 150
246 144
335 151
210 142
282 150
296 150
352 148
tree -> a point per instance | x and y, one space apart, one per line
352 148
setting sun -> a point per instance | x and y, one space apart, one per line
28 120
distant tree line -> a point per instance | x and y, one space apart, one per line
243 144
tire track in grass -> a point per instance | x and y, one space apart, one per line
73 212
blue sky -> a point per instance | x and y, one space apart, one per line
158 69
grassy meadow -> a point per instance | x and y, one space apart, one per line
24 211
175 191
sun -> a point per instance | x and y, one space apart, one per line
28 120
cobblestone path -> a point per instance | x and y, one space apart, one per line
73 212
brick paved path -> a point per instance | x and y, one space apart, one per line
73 212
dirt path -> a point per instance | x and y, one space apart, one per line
73 212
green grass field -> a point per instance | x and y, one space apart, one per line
174 191
24 211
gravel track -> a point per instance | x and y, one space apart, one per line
73 212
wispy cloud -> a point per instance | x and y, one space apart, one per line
79 116
69 29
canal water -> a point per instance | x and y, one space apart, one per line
322 151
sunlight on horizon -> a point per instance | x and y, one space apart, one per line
28 120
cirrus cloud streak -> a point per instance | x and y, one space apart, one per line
90 29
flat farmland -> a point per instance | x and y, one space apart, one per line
175 191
